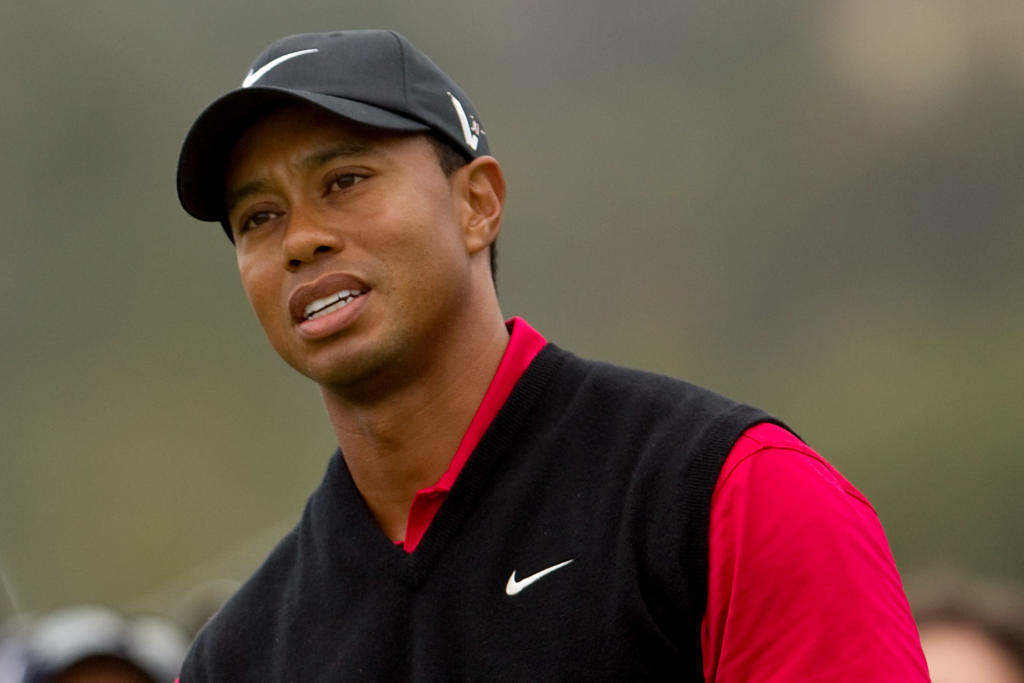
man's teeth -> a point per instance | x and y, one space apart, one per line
331 303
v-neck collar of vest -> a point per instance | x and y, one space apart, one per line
346 531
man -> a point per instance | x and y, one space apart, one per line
498 508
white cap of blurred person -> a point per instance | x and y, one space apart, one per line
92 644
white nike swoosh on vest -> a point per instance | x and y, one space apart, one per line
254 76
513 587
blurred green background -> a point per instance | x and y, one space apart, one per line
814 207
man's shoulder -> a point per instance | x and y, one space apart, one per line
625 390
642 426
614 376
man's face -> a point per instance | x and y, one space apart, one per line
349 245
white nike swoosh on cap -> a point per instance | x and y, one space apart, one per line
513 587
254 76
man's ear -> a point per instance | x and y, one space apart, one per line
481 188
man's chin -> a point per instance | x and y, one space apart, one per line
355 373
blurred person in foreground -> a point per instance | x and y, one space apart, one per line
972 630
92 644
498 508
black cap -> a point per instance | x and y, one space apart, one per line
373 77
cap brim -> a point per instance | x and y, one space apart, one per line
212 137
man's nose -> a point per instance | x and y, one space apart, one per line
307 237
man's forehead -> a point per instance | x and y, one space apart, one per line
308 138
247 175
303 138
309 126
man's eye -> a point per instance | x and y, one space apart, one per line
344 180
255 220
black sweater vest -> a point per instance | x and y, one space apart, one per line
608 467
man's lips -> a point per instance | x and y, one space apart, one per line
329 304
324 295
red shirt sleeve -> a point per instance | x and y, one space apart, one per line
802 585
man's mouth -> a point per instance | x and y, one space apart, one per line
332 303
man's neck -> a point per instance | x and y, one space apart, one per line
403 441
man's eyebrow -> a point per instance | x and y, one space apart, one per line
349 148
237 194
